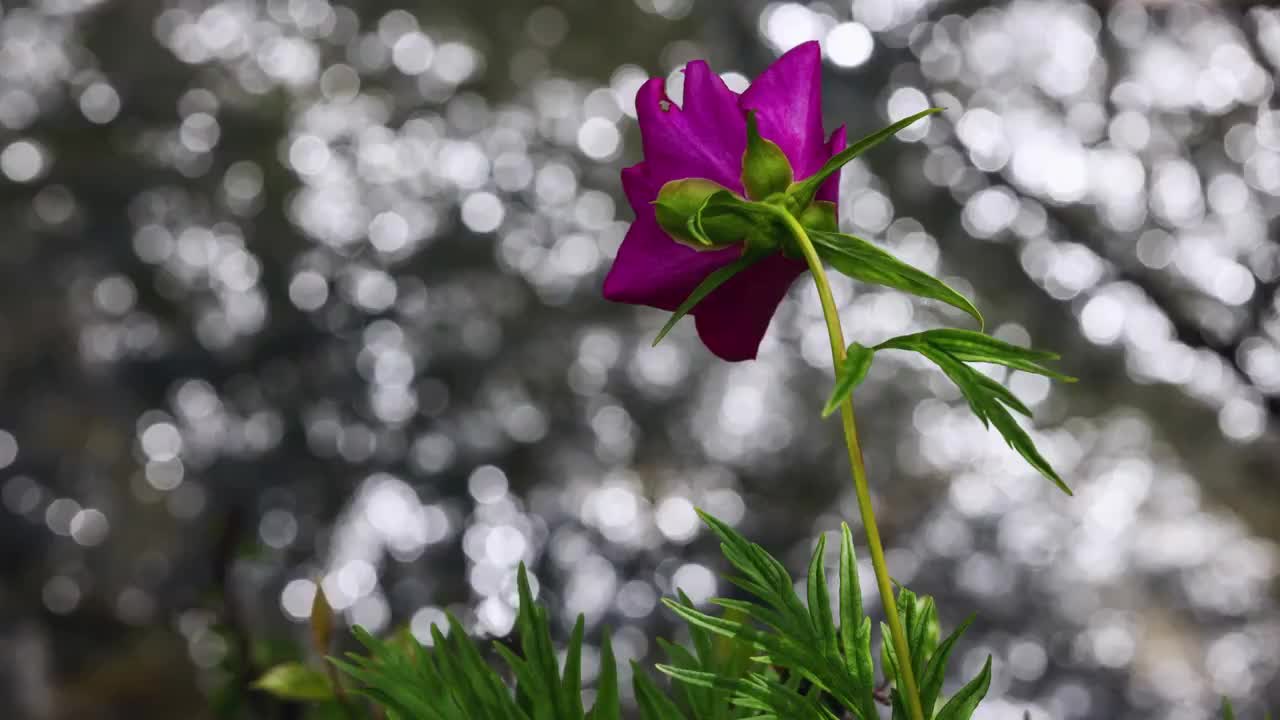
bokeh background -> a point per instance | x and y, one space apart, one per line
307 289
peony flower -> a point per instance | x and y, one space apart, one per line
705 138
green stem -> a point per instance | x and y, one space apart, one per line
883 582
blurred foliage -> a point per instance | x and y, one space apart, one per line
779 659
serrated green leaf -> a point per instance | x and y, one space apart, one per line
1019 440
962 704
920 624
863 261
987 398
935 673
851 372
697 618
805 190
794 638
965 378
888 655
295 681
693 677
971 346
707 286
999 392
922 631
855 630
820 599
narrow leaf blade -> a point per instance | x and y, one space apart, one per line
971 346
808 188
863 261
962 704
706 287
852 371
987 399
608 705
935 673
295 681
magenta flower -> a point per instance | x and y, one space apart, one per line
706 137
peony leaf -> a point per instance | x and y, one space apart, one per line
820 215
856 363
805 190
934 674
989 400
971 346
962 704
863 261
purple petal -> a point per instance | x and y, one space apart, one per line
651 268
830 190
703 138
787 100
732 320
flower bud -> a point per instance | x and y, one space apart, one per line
765 168
820 215
681 209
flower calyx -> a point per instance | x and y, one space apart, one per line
704 215
693 212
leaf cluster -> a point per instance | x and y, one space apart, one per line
813 657
953 351
774 656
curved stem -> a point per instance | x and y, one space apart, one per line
883 582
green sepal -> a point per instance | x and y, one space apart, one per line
851 372
820 216
718 221
805 190
765 168
861 260
682 203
